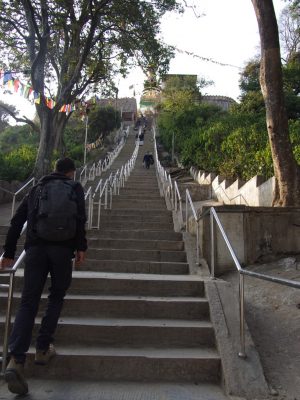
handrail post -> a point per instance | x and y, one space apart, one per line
99 211
180 210
242 352
13 206
105 198
91 211
7 321
212 249
186 212
198 245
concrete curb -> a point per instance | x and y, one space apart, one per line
241 377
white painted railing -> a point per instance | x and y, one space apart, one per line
102 196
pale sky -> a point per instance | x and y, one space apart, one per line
226 33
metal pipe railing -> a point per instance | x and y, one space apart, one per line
32 180
10 286
92 172
242 272
88 195
111 187
231 198
164 184
81 179
197 219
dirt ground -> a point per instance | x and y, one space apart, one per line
273 317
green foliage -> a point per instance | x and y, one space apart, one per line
102 121
179 89
18 144
84 43
295 138
79 47
249 81
18 164
234 144
14 136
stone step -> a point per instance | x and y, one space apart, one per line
68 389
99 283
135 234
136 255
136 196
3 229
119 364
113 218
135 225
133 204
138 267
188 308
140 188
135 244
136 211
159 333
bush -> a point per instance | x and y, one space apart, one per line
18 164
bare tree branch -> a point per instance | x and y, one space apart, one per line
18 119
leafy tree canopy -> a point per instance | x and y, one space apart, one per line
71 46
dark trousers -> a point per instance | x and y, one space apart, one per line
39 262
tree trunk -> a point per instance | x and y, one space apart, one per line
46 145
286 169
60 122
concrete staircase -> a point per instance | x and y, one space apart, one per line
133 312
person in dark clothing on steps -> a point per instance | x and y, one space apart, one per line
43 256
148 160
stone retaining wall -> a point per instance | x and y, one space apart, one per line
256 192
255 233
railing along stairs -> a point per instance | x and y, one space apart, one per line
169 190
111 186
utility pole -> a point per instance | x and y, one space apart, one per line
85 142
173 145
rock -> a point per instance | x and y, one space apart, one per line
273 392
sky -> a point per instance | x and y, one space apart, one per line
225 31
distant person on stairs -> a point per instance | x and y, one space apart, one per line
55 213
148 160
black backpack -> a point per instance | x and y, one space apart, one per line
56 210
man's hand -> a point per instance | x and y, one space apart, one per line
6 263
80 256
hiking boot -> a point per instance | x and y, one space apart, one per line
14 376
42 357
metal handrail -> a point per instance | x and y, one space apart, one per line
10 286
232 198
287 282
197 219
92 172
111 187
32 180
82 181
163 178
88 195
6 191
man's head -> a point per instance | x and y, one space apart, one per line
65 166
